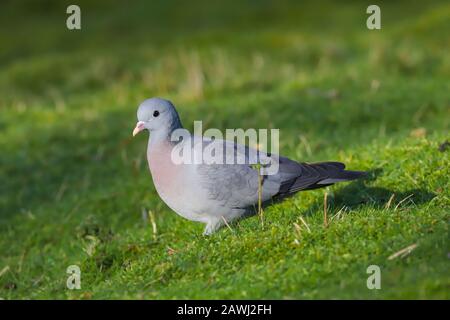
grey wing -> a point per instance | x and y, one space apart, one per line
236 185
234 182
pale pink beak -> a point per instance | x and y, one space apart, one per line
139 127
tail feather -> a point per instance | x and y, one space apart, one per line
317 175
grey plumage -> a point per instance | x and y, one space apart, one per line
212 193
236 185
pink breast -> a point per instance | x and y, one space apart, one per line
166 175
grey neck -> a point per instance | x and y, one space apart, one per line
163 135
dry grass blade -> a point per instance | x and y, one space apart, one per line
226 223
298 230
338 214
398 204
403 253
388 204
4 270
305 224
153 223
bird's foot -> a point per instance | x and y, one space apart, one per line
212 227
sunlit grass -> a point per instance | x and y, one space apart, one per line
74 183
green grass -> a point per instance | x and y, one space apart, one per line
74 182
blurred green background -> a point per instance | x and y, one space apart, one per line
75 188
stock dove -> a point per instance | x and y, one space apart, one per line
211 192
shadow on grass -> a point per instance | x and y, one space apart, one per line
358 194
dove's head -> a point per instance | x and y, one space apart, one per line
157 115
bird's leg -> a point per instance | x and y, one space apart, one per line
212 226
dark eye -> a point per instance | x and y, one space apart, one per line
156 113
